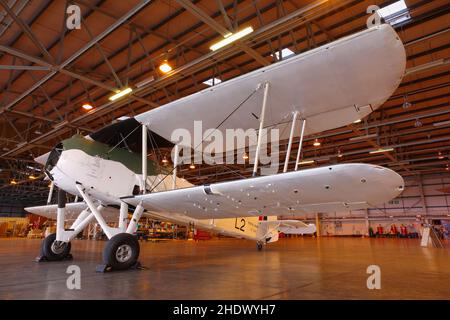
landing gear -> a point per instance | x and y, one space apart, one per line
259 245
52 250
121 252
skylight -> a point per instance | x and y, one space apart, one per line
212 81
286 52
395 13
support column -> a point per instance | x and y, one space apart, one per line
175 168
261 126
144 159
291 137
302 133
317 225
367 222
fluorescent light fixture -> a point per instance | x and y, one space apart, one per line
357 121
120 94
33 168
231 38
442 123
165 67
368 136
381 150
395 13
316 143
212 81
145 82
284 53
87 107
306 162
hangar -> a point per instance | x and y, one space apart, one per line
93 176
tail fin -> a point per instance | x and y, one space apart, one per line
268 229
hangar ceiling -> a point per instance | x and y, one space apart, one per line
47 72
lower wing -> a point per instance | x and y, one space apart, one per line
325 189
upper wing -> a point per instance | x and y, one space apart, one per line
345 186
72 211
330 86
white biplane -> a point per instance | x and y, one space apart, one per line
322 89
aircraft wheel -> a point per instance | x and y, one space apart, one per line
259 245
121 251
54 250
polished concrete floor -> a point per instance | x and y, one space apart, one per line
303 268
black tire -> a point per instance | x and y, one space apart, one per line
259 246
53 251
121 251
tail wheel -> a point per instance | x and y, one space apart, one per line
54 250
259 245
121 251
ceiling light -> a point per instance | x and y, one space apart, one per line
13 182
145 81
306 162
316 143
123 118
164 160
231 38
192 166
442 123
440 155
165 67
381 150
340 154
245 156
31 177
120 93
38 132
357 121
87 107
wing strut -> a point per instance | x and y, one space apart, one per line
144 158
300 144
291 137
261 126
